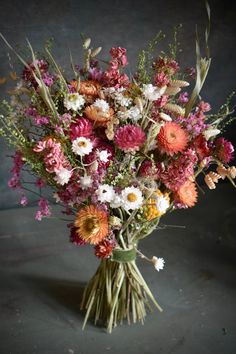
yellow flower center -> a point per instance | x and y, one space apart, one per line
82 144
132 197
72 97
91 225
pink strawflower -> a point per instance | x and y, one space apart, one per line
82 127
48 79
53 155
224 150
183 97
161 79
129 138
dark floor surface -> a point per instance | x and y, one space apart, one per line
42 277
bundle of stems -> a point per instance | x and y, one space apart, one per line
117 292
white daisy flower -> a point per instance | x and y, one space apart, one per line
105 193
85 182
158 263
102 105
209 133
116 202
131 198
74 101
63 176
103 155
82 146
152 93
162 204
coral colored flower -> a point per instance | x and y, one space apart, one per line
91 224
187 194
224 150
81 127
130 138
98 116
104 249
172 138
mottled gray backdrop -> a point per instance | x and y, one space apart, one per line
125 23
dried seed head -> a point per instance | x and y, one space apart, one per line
165 117
139 103
87 43
175 109
95 52
171 91
179 83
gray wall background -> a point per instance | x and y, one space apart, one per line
111 23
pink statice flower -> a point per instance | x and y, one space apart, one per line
113 78
191 72
48 79
129 138
161 102
183 97
28 72
44 209
40 120
81 127
161 79
224 150
148 169
18 163
204 106
23 200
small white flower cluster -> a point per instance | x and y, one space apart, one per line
133 113
162 203
102 105
158 263
130 198
74 101
152 93
117 96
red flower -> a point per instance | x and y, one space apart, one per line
201 147
104 249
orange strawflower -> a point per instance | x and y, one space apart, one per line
99 117
187 194
172 138
89 88
91 224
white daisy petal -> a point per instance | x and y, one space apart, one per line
74 101
105 193
131 198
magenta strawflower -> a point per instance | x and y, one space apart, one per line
130 138
224 150
82 127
